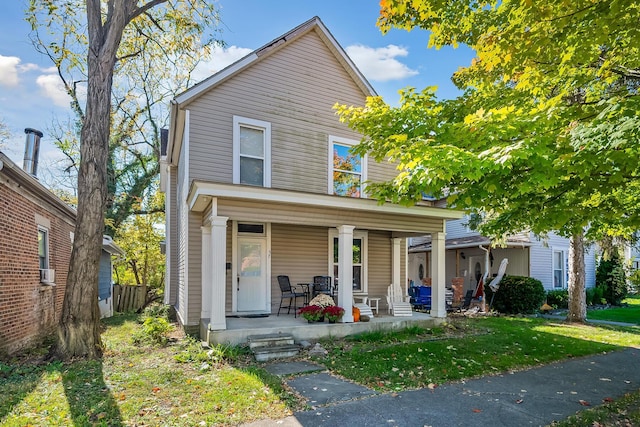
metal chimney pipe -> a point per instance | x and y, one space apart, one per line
32 151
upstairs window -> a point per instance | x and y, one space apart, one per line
43 247
347 171
251 152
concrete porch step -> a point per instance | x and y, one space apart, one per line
269 340
262 354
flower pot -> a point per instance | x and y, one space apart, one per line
321 319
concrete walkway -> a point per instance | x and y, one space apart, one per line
535 397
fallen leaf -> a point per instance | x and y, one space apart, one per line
607 400
584 402
432 386
519 401
476 410
155 389
605 379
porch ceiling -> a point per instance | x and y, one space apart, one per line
238 202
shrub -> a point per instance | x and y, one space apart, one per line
155 330
517 294
558 298
611 278
591 293
634 282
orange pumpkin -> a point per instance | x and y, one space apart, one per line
356 314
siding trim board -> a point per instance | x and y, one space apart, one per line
201 192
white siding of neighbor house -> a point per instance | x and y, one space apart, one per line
182 225
458 228
294 89
542 257
590 266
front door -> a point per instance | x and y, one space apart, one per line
252 274
476 271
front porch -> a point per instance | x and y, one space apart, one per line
240 328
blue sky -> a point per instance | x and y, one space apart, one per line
30 95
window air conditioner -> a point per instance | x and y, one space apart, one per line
47 275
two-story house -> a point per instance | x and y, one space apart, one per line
259 182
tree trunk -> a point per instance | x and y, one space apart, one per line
577 296
79 327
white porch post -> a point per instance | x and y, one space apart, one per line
438 277
218 263
395 265
345 269
205 312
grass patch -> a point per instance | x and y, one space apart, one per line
628 314
179 384
623 412
489 345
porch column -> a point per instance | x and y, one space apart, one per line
218 263
395 264
345 269
438 277
205 312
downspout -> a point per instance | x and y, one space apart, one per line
485 276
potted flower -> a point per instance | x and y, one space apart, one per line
322 301
312 313
333 313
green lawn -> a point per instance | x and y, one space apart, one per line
470 348
140 385
183 385
629 314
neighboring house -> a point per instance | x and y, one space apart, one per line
545 260
259 182
105 276
36 231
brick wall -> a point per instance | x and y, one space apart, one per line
29 310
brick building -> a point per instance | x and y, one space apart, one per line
36 232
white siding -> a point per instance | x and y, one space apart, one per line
457 228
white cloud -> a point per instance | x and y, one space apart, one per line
28 67
51 86
220 58
9 70
380 64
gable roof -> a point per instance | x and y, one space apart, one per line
35 187
314 24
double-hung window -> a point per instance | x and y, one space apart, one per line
559 271
347 171
43 247
251 152
359 259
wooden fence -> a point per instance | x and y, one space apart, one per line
128 298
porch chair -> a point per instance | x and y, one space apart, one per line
289 292
466 303
322 285
398 302
365 309
495 282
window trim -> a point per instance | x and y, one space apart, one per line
45 232
357 234
563 268
363 163
238 122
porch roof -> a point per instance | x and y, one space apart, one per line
317 209
518 241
